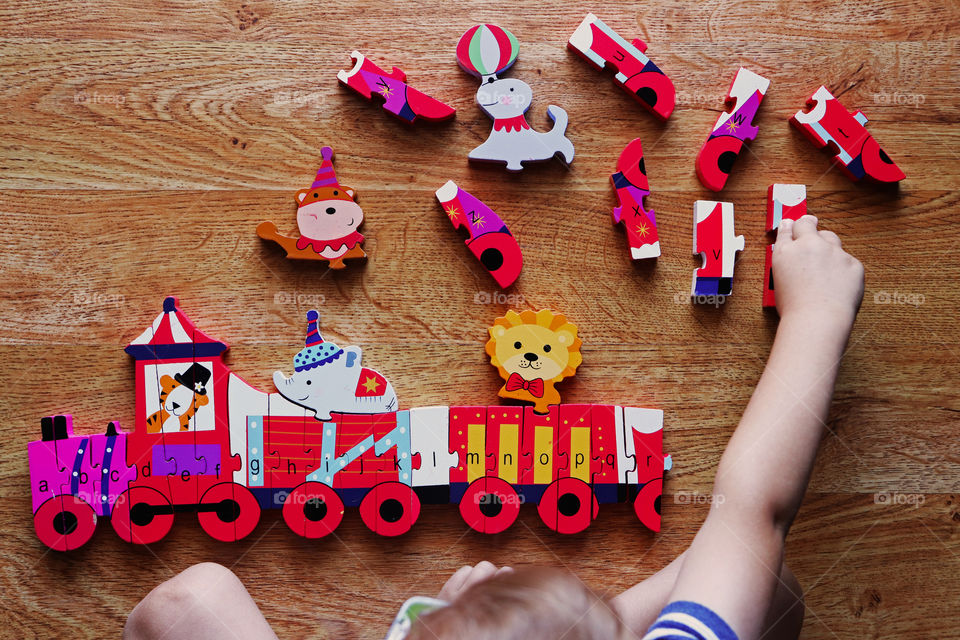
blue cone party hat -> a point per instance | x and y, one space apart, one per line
316 352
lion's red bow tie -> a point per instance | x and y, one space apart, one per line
535 387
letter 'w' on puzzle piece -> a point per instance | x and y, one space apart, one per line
490 239
600 45
733 128
715 240
486 51
829 124
784 202
327 219
630 181
400 99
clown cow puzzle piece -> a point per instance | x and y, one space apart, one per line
490 239
600 45
856 153
714 239
532 351
630 181
400 99
784 202
327 218
485 51
733 128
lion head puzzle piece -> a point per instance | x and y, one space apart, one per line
732 130
714 239
636 74
486 51
828 124
490 240
327 218
632 187
532 351
399 98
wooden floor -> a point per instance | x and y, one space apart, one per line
142 142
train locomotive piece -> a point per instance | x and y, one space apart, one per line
205 441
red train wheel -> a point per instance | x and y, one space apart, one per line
228 511
568 505
313 510
65 522
490 505
647 504
142 515
390 509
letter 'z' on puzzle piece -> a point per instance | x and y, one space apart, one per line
714 239
532 351
784 202
399 98
733 128
600 45
490 239
327 219
630 181
856 153
486 51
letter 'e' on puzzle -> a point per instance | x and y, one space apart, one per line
640 223
784 202
486 51
714 239
600 46
733 128
828 124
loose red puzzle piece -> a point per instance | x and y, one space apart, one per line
630 181
714 239
784 202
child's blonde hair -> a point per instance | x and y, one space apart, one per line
522 605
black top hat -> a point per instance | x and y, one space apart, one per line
196 377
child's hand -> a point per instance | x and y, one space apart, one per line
813 275
467 576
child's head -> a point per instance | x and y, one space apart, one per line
523 605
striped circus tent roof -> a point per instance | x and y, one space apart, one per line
173 335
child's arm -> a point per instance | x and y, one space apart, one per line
733 564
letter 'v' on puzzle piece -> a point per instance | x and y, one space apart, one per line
714 239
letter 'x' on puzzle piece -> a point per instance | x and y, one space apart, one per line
600 45
856 153
486 51
400 99
490 239
714 239
630 181
784 202
733 128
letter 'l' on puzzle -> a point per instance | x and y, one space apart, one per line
630 181
784 202
732 130
856 153
714 239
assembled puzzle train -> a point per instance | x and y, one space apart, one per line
333 436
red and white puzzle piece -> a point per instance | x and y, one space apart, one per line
784 202
640 223
714 239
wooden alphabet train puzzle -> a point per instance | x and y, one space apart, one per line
333 436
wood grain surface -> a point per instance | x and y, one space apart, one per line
142 142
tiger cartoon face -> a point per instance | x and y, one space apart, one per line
180 397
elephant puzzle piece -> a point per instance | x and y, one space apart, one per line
600 45
486 51
400 99
856 153
327 378
784 202
630 181
490 239
327 217
733 128
714 239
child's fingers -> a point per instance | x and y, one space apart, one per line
784 233
831 237
455 583
805 226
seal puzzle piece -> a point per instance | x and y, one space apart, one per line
600 45
856 153
784 202
733 128
486 51
630 181
399 98
490 239
327 217
714 239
